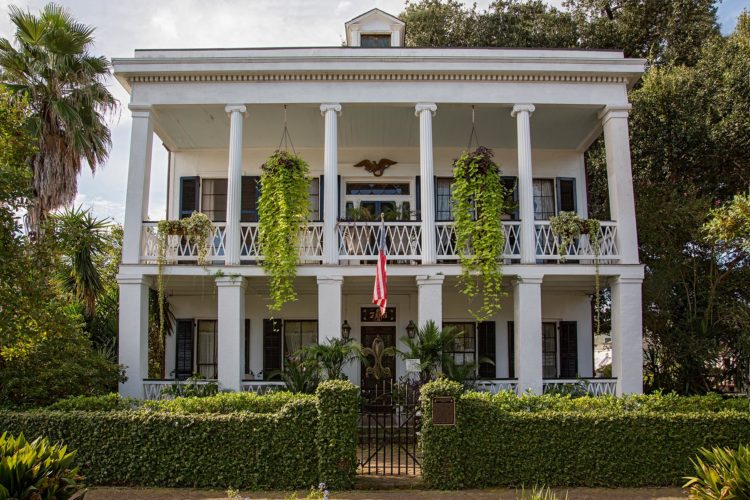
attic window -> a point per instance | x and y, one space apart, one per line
375 40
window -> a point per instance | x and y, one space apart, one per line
249 199
486 354
214 199
549 350
184 349
271 347
463 348
313 191
207 349
511 350
299 334
544 199
443 209
511 203
375 40
568 349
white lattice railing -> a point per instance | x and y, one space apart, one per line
310 242
445 235
581 249
153 389
262 386
592 386
359 240
180 248
493 386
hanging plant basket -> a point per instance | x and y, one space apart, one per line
478 200
283 209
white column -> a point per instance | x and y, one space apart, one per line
395 35
527 317
430 300
425 112
133 333
233 240
355 36
620 180
330 187
329 307
231 327
139 176
627 335
522 113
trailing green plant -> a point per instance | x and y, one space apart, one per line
198 229
569 227
334 355
283 209
720 473
37 469
478 202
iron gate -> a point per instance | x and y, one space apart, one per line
389 423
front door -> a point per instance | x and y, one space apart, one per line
378 377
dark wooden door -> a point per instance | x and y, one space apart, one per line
388 335
568 349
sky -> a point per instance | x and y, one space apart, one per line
123 26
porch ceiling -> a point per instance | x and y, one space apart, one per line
207 127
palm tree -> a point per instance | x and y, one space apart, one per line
430 346
51 65
333 356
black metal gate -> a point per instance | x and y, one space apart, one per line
389 423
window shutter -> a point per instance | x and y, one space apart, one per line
322 196
418 196
511 350
184 347
511 186
486 349
249 200
338 196
189 196
247 345
566 194
568 349
271 346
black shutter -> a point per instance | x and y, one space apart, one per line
184 347
271 347
249 200
418 197
566 194
511 186
486 349
189 196
511 350
247 345
322 191
568 349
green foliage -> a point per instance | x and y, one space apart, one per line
301 373
337 433
478 199
334 355
507 440
35 470
283 209
729 225
539 493
227 402
720 473
195 386
107 402
429 346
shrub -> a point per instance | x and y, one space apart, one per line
37 470
337 433
506 440
721 473
227 402
109 402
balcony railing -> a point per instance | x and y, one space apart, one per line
358 241
493 386
590 386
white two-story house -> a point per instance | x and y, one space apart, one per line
221 114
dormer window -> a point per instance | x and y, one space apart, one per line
375 29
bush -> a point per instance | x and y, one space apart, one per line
109 402
721 473
337 433
37 470
506 440
228 402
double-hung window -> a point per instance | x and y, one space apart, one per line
214 199
463 348
544 199
299 334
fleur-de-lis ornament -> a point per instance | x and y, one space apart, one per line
378 352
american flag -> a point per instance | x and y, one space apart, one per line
380 291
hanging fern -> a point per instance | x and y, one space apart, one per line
283 209
478 199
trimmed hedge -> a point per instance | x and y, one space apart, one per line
107 402
598 444
175 444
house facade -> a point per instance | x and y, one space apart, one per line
410 111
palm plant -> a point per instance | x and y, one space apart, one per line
430 346
333 356
301 373
51 65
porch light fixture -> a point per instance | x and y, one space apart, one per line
411 329
345 330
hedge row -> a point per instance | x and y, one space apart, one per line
183 448
490 446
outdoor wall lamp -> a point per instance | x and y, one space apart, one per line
411 329
345 330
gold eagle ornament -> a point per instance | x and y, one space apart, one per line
378 168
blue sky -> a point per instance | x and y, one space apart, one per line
125 26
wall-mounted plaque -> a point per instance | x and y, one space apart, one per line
413 365
372 314
443 411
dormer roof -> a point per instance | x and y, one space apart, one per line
375 22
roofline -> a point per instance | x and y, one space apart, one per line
371 11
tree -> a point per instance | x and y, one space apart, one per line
51 65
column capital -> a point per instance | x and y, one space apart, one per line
435 279
140 110
625 280
519 108
330 106
425 106
236 108
528 280
330 280
131 279
619 111
231 281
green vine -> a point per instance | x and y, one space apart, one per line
283 208
478 199
198 229
569 226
